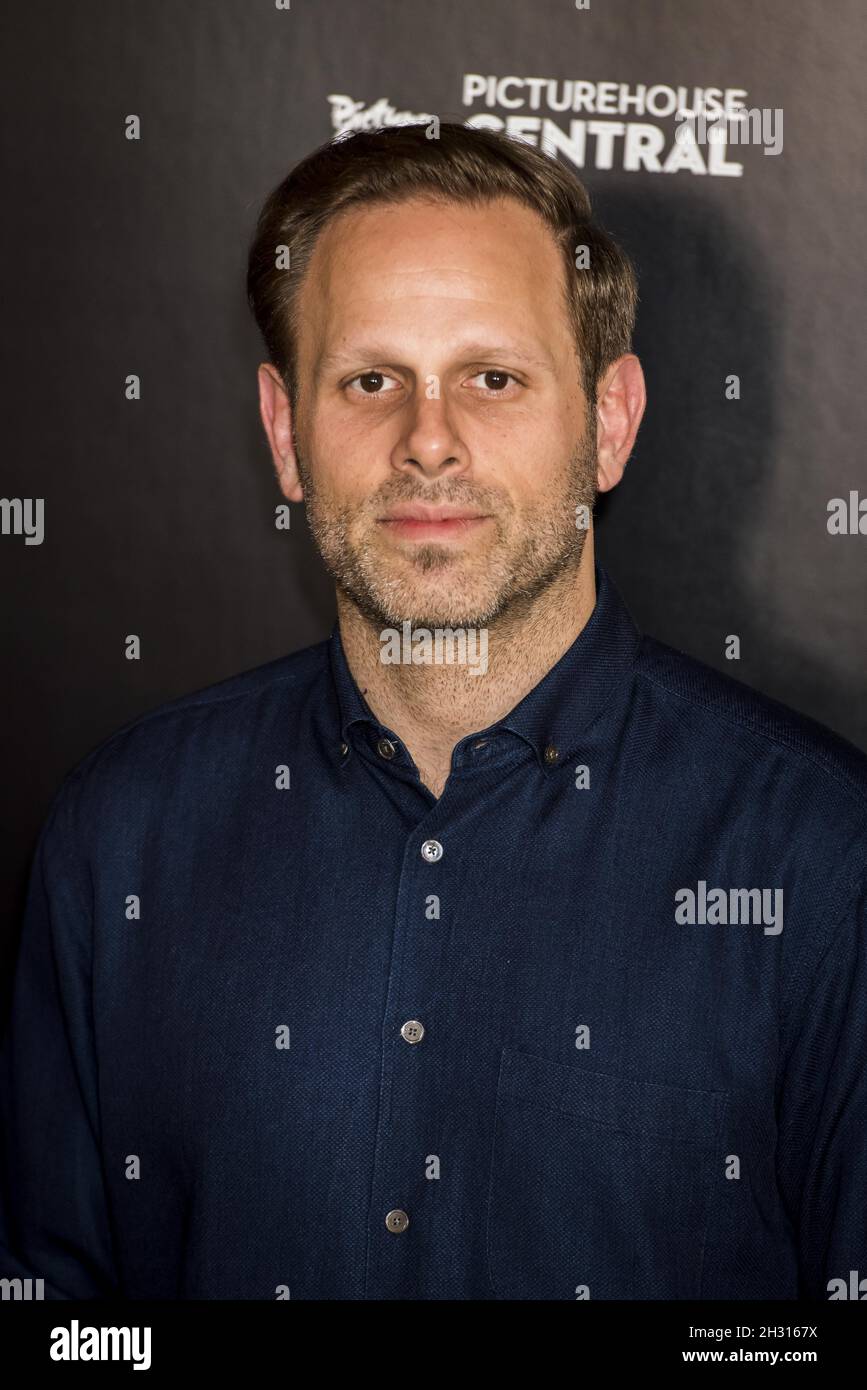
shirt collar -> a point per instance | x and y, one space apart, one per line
556 714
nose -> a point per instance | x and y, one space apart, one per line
430 443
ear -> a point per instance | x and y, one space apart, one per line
276 413
620 401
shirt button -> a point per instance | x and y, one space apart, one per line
431 850
551 753
386 748
397 1221
344 749
412 1031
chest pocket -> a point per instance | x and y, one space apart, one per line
599 1180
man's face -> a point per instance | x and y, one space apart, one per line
436 367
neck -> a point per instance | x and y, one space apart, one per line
431 706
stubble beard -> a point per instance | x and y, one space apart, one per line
477 588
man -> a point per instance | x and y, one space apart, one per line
487 950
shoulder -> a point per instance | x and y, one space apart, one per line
737 723
217 726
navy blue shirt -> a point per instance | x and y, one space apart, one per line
593 1023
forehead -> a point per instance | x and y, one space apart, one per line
424 262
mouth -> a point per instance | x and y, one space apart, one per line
417 522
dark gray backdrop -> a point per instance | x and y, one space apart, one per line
128 257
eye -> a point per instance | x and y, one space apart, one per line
495 380
373 383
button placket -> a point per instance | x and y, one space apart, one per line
401 1141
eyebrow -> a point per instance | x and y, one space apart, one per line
482 352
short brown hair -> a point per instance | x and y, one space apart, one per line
463 164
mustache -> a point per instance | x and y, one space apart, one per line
436 497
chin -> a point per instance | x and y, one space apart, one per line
425 608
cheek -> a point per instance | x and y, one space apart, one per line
354 455
537 470
343 474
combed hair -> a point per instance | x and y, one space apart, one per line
463 165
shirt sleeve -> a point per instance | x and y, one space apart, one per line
822 1111
54 1222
